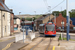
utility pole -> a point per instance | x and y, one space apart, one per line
55 17
49 10
67 15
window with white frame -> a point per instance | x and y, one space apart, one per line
14 21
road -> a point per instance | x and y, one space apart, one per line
42 43
4 43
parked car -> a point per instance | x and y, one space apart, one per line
29 30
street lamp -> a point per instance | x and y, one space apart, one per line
67 15
19 13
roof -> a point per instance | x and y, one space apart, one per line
4 8
73 20
15 17
45 16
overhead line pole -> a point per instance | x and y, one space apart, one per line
67 15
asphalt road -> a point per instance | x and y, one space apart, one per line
4 43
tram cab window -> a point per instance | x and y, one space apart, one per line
50 28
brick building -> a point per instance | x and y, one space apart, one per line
11 22
61 19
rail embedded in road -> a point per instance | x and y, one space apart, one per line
44 43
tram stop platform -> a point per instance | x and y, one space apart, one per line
66 45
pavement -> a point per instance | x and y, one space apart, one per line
66 45
73 34
8 43
17 46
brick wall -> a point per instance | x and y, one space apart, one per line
59 19
12 23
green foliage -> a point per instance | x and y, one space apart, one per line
29 19
37 16
60 37
56 12
34 18
72 13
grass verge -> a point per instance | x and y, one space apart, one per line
65 38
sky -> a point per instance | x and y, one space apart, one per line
40 6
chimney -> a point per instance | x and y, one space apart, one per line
44 15
11 10
60 14
3 1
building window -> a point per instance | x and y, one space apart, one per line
73 28
59 27
5 28
4 16
14 21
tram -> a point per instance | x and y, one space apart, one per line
41 28
50 29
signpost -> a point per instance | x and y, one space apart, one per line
22 24
62 29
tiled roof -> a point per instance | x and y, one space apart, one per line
5 7
15 17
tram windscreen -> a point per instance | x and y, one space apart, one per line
50 27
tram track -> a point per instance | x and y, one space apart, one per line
37 44
43 40
45 43
49 44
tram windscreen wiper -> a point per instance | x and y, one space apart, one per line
50 27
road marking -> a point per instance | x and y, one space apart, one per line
53 47
7 39
8 45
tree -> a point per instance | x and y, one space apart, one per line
57 13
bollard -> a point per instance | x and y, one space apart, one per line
69 36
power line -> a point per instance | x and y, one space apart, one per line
45 1
55 6
58 5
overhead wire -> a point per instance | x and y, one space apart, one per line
58 5
45 1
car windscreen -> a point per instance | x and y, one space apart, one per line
50 27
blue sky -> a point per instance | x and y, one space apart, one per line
29 6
